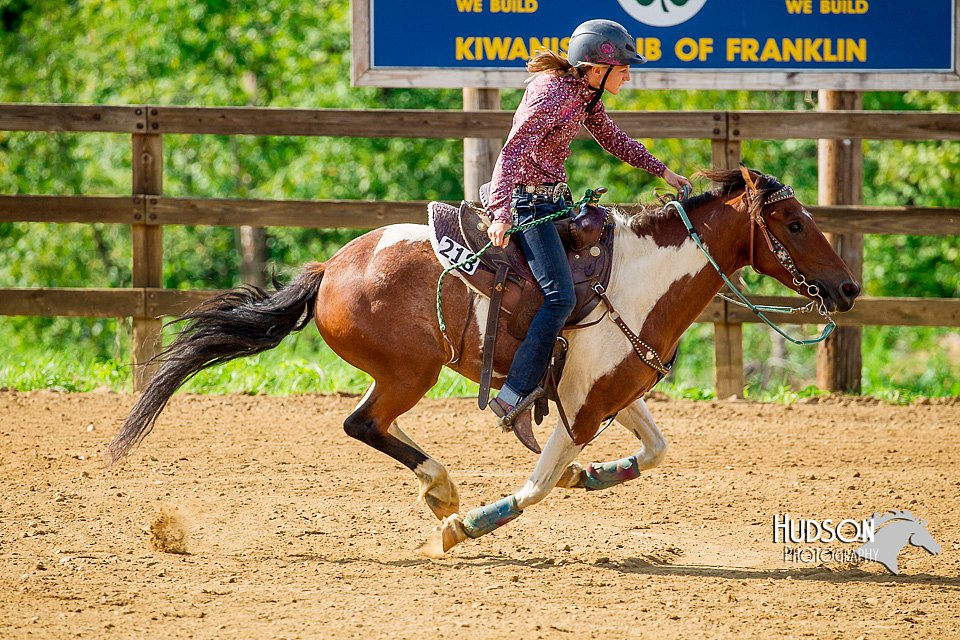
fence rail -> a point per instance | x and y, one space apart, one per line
147 211
419 123
152 302
370 214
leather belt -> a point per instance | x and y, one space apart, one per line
558 191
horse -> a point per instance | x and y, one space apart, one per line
374 304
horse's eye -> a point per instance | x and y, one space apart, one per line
795 227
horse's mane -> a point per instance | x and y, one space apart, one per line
728 181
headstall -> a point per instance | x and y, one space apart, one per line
755 207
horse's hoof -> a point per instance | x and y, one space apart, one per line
441 507
441 496
572 477
444 537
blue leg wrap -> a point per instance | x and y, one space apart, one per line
483 520
609 474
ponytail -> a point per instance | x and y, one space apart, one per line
554 64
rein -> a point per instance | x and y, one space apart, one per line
782 256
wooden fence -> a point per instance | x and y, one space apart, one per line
147 210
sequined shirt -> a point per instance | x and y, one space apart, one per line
548 118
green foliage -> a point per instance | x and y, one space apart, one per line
296 55
301 364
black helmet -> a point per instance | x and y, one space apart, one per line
603 42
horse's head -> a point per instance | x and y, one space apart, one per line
785 242
898 528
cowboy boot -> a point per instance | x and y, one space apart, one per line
518 418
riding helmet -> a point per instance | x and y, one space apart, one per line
603 42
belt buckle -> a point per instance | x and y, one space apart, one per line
559 191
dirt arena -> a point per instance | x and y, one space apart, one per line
276 525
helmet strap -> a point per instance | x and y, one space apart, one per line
599 92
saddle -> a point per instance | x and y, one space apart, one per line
503 275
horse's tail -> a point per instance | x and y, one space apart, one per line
240 322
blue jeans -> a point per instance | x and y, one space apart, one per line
548 262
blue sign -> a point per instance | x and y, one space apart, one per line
849 36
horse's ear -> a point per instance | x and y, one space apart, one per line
747 177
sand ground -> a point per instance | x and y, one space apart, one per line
293 530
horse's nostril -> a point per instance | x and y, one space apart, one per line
850 289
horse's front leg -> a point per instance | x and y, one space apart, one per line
603 475
557 454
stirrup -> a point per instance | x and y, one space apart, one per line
507 419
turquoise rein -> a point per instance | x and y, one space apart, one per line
757 309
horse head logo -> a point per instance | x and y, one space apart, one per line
662 13
902 527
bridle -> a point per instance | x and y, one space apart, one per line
776 248
751 195
755 207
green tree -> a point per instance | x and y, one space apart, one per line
279 53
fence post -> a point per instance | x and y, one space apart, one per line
840 177
727 336
479 154
147 253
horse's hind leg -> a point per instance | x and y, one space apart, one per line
374 422
436 487
603 475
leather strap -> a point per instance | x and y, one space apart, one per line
766 233
490 337
552 382
648 355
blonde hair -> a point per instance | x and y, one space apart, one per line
552 63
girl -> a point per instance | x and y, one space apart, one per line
529 183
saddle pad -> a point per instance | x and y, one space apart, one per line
448 242
456 233
451 248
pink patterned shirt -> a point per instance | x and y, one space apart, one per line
547 120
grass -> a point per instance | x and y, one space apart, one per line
302 364
900 366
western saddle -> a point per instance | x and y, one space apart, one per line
503 275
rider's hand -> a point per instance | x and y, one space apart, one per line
675 180
497 232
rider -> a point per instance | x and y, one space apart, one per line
529 183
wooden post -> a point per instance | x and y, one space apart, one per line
479 154
727 337
147 253
840 171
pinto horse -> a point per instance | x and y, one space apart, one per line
374 304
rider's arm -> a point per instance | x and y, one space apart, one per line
615 141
